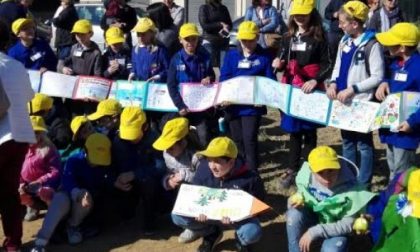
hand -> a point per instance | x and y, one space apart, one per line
226 220
112 68
126 177
67 70
225 104
122 186
173 181
297 204
86 201
332 91
201 218
382 91
206 81
225 26
266 21
345 95
43 70
305 242
335 14
278 64
309 86
33 187
404 127
153 78
131 77
184 112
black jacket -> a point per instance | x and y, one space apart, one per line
64 23
126 15
333 7
10 11
124 58
210 17
89 63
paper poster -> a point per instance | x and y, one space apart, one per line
311 107
199 97
356 116
272 93
388 113
92 88
58 85
131 93
239 90
158 98
411 103
35 78
113 90
215 203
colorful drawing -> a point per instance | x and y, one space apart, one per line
158 98
92 88
199 97
388 113
239 90
272 93
411 103
131 93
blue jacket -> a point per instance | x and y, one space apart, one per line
188 68
268 12
240 177
124 59
148 62
260 66
400 139
38 55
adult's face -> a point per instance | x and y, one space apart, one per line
390 4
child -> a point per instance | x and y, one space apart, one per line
117 57
33 53
358 70
223 169
249 59
107 117
332 198
304 57
40 175
191 64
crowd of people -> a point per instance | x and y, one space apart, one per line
74 157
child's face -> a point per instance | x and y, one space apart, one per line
116 47
220 167
27 32
348 27
301 20
83 38
177 149
394 50
189 44
249 46
327 177
145 38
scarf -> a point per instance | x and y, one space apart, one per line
389 18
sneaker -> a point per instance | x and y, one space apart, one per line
31 214
74 235
188 236
210 241
240 247
38 249
287 179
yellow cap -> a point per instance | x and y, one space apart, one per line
188 30
220 147
108 107
144 24
405 34
98 148
132 120
82 26
302 7
40 102
19 23
76 123
357 9
413 192
114 35
247 30
173 131
323 158
38 123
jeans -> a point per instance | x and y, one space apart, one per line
308 139
399 160
298 221
354 142
248 231
216 50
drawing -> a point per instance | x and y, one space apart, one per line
239 90
411 103
35 78
272 93
199 97
158 98
388 115
92 88
131 93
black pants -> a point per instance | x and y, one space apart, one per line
244 132
308 140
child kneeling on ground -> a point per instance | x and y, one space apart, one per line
332 198
222 168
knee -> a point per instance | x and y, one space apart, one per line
294 217
61 199
249 233
336 244
180 221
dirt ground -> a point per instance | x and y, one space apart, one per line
273 153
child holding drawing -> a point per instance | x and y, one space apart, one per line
249 59
401 41
222 168
304 58
117 57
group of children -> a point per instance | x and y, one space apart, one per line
75 167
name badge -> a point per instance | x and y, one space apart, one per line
121 62
244 64
36 56
401 76
78 53
181 67
301 47
346 49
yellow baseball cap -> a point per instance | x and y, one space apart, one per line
144 24
114 35
38 123
76 123
40 102
82 26
302 7
220 147
247 30
132 120
98 148
356 9
405 34
188 30
19 23
323 158
108 107
173 131
413 192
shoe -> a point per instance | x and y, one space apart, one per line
38 249
240 247
31 214
287 179
74 235
188 236
210 241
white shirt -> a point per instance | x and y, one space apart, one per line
177 14
16 124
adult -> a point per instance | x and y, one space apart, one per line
386 16
264 14
26 4
373 6
177 12
10 10
284 10
167 34
215 20
15 134
335 33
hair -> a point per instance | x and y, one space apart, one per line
315 28
4 35
44 145
213 1
349 17
255 3
159 13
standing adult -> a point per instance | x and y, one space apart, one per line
177 12
15 134
386 16
215 20
10 10
335 33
